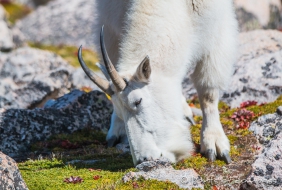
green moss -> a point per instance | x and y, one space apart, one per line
234 151
15 11
69 53
232 139
195 131
49 174
266 108
197 162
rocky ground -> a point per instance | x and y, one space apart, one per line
44 117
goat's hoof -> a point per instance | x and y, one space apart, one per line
112 141
191 120
210 154
225 157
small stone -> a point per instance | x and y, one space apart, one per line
279 110
259 172
267 176
279 126
278 182
269 167
277 156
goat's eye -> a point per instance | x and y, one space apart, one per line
138 102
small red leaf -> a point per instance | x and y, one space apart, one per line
73 180
96 177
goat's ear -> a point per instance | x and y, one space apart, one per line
144 70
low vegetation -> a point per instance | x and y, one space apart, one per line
49 166
69 53
15 11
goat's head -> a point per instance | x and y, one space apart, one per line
135 103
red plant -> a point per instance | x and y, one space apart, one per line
96 177
255 147
73 180
248 103
66 144
135 185
243 118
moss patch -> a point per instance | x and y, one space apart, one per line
69 53
15 11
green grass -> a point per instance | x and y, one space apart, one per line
51 172
69 53
15 11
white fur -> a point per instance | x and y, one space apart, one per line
176 37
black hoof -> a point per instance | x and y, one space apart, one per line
112 142
191 120
225 156
210 154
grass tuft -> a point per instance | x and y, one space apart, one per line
69 53
15 11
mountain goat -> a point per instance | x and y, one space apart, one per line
153 43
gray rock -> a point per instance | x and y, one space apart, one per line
267 170
10 177
18 38
28 77
258 14
279 110
80 79
77 110
6 37
163 171
2 13
258 71
58 23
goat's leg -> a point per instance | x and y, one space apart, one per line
187 111
116 132
213 139
210 75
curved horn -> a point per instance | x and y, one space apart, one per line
116 79
101 83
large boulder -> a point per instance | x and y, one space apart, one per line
19 128
258 71
259 14
267 170
6 37
28 77
10 177
61 22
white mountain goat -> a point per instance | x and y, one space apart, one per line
171 37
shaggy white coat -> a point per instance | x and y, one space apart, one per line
177 36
